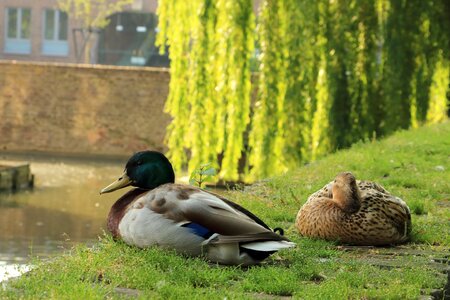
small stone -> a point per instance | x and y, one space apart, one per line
160 284
439 168
126 292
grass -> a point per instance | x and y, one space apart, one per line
413 165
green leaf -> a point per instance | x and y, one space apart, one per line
210 171
204 166
208 179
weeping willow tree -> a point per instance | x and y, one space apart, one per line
330 73
235 46
353 70
416 38
210 44
267 135
290 123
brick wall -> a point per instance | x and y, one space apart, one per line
81 109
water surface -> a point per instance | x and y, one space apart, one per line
63 209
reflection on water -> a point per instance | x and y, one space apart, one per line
64 208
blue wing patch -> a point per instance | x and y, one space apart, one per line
199 230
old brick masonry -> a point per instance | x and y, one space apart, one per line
82 109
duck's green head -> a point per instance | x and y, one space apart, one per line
146 169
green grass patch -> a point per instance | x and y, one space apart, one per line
413 165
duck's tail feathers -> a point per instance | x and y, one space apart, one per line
268 245
246 238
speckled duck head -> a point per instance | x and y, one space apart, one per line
145 170
346 193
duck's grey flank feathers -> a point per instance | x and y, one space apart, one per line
241 209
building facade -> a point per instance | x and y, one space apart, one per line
36 30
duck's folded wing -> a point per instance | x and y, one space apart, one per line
240 209
399 214
213 213
210 212
219 219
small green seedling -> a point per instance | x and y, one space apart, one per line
204 173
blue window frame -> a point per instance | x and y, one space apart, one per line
17 30
55 32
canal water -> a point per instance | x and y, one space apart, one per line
64 208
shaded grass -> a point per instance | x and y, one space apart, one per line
413 165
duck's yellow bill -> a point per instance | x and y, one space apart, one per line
122 182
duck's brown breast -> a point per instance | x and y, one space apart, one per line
119 209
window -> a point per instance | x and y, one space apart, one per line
55 33
18 30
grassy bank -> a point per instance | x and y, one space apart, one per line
413 165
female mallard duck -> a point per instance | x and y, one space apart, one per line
355 212
185 218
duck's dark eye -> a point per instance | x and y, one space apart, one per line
139 162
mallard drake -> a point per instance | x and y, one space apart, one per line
355 212
188 219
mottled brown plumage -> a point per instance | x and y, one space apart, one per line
355 212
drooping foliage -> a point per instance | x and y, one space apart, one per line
329 73
211 43
267 135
